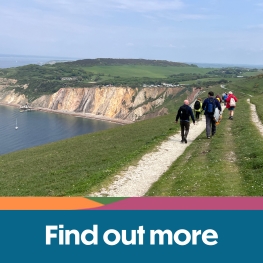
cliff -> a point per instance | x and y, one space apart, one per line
9 96
113 102
123 103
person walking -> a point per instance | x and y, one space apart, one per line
184 113
224 98
209 106
231 104
218 97
223 95
198 108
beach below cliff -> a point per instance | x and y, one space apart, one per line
75 114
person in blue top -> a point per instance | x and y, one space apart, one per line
209 106
184 113
224 98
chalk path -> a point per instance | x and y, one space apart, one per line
136 180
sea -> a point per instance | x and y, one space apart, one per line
35 127
11 61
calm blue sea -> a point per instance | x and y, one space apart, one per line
10 61
36 128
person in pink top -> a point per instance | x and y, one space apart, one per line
231 104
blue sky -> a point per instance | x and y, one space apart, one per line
215 31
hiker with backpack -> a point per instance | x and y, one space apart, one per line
184 113
231 104
224 98
198 108
218 97
209 106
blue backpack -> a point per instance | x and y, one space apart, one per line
210 107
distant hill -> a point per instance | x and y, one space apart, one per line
119 62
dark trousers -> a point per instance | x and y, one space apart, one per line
185 126
210 125
197 115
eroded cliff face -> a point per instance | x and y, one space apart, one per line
123 103
114 102
9 96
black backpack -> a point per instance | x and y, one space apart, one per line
210 107
197 105
184 113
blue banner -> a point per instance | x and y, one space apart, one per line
131 236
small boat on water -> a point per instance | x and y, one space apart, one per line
16 125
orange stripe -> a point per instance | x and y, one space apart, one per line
47 203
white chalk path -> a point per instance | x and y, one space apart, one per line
136 180
255 118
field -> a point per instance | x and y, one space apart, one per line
129 71
229 164
48 79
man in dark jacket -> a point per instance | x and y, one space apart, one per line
209 106
184 113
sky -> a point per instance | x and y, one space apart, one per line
215 31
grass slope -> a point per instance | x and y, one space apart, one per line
81 164
230 164
129 71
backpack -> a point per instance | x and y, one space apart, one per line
210 107
232 102
197 105
184 114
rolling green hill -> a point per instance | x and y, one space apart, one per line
49 78
83 164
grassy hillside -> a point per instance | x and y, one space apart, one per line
128 71
251 85
229 164
48 78
76 166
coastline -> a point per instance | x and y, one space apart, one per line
74 114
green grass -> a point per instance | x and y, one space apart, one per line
253 73
81 164
257 100
249 144
128 71
252 86
191 82
205 169
230 164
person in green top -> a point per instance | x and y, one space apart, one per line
198 108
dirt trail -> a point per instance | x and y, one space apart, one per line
136 180
255 118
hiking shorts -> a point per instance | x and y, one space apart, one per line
231 108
